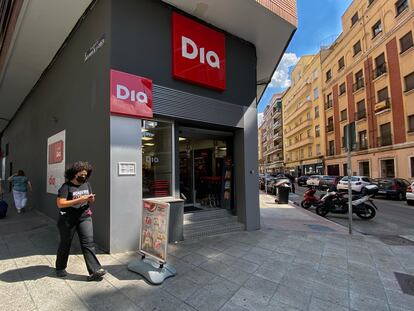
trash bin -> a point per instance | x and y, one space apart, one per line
283 194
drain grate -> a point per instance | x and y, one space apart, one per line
406 282
395 240
321 228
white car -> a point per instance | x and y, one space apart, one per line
410 194
358 183
314 180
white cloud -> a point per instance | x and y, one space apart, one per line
259 119
281 77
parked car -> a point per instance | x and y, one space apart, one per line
358 183
410 194
302 180
314 180
392 187
328 182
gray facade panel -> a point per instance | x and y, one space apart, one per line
178 104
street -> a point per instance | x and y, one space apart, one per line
393 217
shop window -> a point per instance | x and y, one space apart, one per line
344 115
354 19
342 89
341 63
409 82
387 168
328 75
357 48
316 112
156 140
376 29
406 42
364 168
411 123
400 6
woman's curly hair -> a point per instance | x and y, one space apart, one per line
76 167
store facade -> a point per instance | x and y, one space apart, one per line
160 102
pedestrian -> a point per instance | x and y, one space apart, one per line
73 201
292 181
20 185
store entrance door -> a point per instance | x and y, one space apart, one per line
204 156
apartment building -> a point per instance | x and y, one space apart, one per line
368 84
272 136
303 122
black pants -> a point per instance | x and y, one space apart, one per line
82 224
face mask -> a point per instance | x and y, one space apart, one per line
80 179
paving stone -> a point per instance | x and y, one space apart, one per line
158 301
320 305
297 283
330 294
114 301
231 306
244 265
372 290
261 287
299 299
269 273
199 276
235 275
194 259
365 303
333 280
222 287
204 300
249 299
179 287
398 300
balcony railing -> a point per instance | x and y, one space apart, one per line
330 128
384 140
361 145
359 84
380 70
330 152
382 105
328 104
361 114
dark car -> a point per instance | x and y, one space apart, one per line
328 182
395 188
302 180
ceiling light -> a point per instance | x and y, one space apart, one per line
146 138
149 144
182 138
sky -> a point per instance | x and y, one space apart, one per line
319 23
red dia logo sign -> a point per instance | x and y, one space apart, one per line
199 53
131 95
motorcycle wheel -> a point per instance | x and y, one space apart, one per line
322 211
305 204
370 213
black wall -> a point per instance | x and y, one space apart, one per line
73 95
142 45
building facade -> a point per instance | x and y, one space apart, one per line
304 143
160 96
271 138
368 85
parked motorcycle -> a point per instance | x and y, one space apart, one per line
309 198
335 202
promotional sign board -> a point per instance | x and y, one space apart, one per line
154 229
55 162
199 53
131 95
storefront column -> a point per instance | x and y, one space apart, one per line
125 190
246 176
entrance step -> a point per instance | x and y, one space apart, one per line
208 223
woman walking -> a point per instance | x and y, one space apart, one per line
20 185
75 216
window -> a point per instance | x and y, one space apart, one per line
412 166
409 82
342 89
380 67
308 115
387 168
400 6
359 81
275 144
354 19
411 123
406 42
156 159
308 133
341 63
318 149
328 103
382 94
309 151
330 127
361 112
328 75
345 168
357 48
370 2
317 131
316 112
363 140
331 148
344 115
385 130
315 93
376 29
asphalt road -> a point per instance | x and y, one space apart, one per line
393 217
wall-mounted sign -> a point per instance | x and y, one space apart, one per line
131 95
94 48
55 162
127 168
199 53
154 229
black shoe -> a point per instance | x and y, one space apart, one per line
61 273
97 275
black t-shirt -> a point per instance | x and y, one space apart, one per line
70 191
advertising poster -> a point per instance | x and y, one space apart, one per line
55 162
154 230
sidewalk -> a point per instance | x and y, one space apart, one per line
293 263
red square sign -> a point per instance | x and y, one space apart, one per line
199 53
131 95
56 152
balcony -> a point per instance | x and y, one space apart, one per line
361 114
299 127
276 125
329 128
306 105
385 140
361 145
383 105
300 143
359 84
330 152
380 70
328 104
